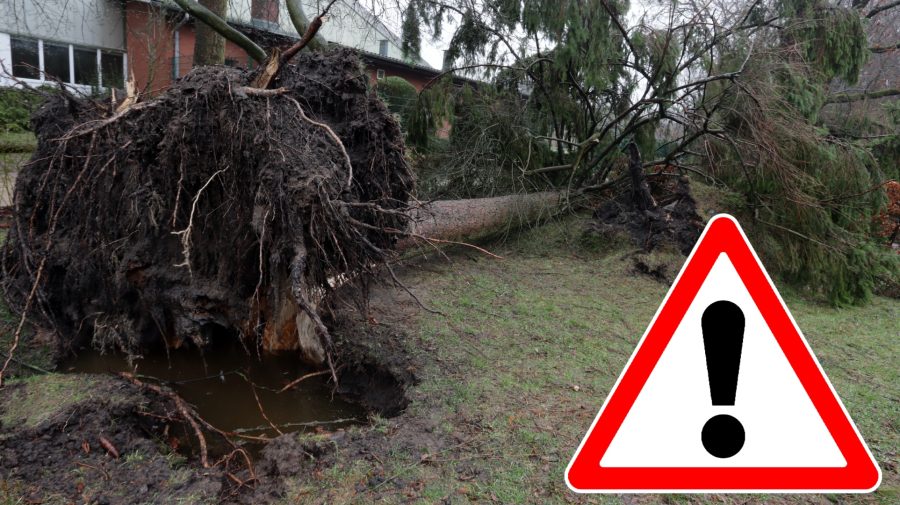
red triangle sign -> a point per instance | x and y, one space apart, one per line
723 394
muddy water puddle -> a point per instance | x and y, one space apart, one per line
221 386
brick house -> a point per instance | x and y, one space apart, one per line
94 44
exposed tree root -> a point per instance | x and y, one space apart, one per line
215 209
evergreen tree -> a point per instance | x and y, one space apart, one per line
812 195
411 36
742 82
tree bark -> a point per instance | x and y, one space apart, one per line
881 8
301 24
209 20
209 48
454 220
640 190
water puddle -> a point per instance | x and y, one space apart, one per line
220 384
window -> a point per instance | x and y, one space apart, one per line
112 67
56 62
26 63
42 60
379 74
383 47
86 67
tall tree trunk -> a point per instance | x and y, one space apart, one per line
209 48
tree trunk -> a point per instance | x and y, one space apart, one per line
209 48
640 190
442 221
455 220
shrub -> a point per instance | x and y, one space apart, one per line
399 96
16 106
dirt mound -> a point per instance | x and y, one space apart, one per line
52 444
672 220
214 209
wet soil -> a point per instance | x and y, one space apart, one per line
62 459
223 385
55 454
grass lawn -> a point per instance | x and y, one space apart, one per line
529 346
15 149
23 142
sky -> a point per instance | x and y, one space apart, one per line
389 12
433 52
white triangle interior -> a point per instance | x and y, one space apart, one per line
783 428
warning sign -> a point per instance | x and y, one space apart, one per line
723 394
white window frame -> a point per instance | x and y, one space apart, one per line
379 74
70 83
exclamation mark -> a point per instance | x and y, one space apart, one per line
723 337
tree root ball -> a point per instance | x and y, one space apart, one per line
212 209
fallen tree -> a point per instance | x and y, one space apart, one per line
449 221
216 209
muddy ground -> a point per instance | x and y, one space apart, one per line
90 439
99 439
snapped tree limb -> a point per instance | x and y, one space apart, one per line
301 23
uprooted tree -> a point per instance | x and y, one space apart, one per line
234 203
237 201
212 208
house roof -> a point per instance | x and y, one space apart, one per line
426 70
389 61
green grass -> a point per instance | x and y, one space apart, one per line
10 163
29 351
23 142
42 397
15 149
527 350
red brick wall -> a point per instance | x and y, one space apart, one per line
150 42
